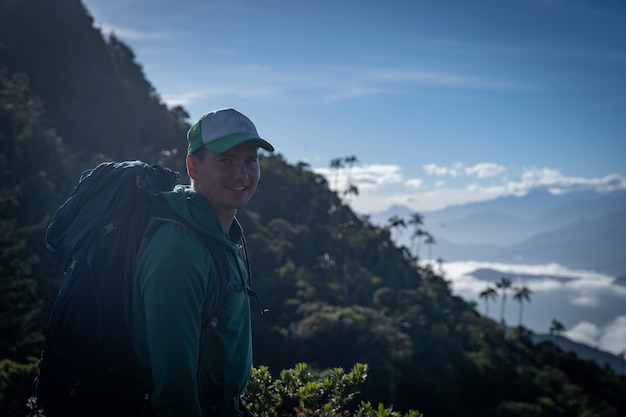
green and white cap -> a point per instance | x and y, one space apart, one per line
221 130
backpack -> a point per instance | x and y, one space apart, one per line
88 366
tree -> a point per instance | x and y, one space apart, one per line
522 294
416 221
430 241
556 328
396 222
503 285
336 164
487 294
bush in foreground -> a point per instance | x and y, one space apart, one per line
299 393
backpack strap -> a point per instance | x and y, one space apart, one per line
248 288
218 253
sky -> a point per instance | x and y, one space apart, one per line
441 102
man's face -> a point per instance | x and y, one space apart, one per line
227 180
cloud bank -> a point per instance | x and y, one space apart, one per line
381 186
590 304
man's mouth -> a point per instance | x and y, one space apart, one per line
238 188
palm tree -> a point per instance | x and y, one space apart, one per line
440 262
350 161
351 188
430 241
556 328
522 294
487 294
416 221
396 222
503 285
336 164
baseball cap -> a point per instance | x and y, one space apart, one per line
223 129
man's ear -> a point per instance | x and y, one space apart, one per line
192 168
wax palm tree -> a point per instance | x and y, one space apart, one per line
556 328
522 294
336 164
430 241
487 294
396 222
503 285
416 221
351 188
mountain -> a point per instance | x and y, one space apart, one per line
617 364
584 230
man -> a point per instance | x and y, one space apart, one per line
198 372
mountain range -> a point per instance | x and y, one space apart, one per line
580 230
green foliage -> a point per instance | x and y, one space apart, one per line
300 393
30 164
15 387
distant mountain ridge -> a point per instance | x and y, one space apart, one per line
585 230
617 364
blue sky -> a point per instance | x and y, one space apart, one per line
442 102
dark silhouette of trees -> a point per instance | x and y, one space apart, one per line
521 295
430 241
416 221
336 164
556 328
396 222
503 285
487 294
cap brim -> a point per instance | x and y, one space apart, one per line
228 142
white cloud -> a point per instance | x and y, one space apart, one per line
584 332
480 170
485 170
414 183
610 338
438 198
613 336
182 99
374 180
455 170
437 78
365 177
555 182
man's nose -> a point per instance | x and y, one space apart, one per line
239 170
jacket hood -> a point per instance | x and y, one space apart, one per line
193 208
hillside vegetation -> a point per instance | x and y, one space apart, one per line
340 292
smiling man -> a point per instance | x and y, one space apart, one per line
197 370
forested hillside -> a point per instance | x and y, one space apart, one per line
338 290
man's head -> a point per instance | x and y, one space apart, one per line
223 162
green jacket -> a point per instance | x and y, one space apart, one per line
173 296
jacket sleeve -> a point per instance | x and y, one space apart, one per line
172 287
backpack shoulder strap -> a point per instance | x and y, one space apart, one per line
218 253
